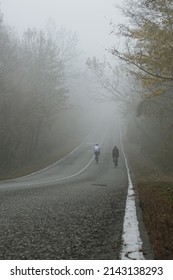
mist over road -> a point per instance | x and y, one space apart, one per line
71 210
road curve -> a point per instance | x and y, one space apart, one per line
71 210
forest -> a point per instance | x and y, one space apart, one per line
36 115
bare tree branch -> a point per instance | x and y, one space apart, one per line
117 54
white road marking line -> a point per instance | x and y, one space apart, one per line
132 243
46 168
58 179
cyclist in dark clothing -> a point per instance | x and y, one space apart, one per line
115 155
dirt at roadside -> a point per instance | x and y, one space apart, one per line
154 192
156 203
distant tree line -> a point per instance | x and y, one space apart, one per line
32 89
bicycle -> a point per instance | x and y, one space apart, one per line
115 161
96 157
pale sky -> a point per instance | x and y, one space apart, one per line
89 19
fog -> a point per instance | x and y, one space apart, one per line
90 20
51 95
67 66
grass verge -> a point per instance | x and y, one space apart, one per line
156 201
154 188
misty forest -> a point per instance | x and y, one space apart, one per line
40 122
33 85
145 62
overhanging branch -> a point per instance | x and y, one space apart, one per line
117 54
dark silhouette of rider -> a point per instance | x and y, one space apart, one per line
115 154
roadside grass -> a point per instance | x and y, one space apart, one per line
154 188
156 201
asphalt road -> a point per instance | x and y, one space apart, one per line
71 210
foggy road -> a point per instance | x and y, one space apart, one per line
74 74
73 209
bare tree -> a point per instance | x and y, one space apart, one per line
33 89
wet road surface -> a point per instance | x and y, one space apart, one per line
72 210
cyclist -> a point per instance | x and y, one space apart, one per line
96 151
115 155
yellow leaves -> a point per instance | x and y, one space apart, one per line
137 34
158 92
149 40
